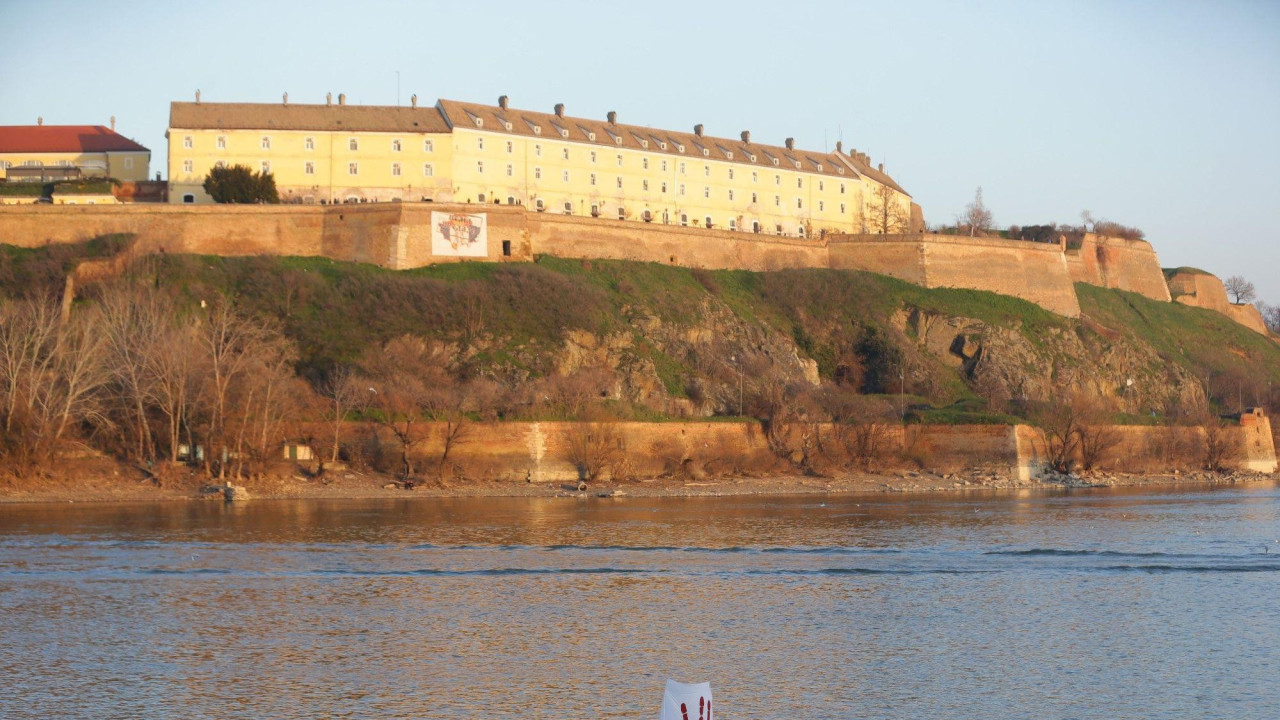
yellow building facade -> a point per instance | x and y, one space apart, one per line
547 162
42 153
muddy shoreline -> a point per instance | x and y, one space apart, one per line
92 482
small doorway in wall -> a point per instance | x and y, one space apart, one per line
188 199
506 248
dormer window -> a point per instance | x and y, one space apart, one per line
479 122
680 147
617 139
841 171
706 152
591 136
644 144
537 129
662 145
507 125
797 164
752 157
775 161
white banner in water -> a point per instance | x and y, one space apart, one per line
459 235
686 701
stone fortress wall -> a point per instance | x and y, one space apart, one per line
1202 290
399 236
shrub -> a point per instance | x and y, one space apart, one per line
239 184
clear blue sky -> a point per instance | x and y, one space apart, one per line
1164 115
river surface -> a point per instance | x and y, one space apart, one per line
1090 604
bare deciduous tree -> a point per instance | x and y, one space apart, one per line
1241 289
886 214
342 392
1270 315
976 218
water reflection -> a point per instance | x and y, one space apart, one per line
1019 605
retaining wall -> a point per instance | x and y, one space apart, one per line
543 451
1119 264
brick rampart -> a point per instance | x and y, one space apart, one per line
398 236
1119 264
1202 290
1032 271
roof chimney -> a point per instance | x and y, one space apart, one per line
613 117
560 110
881 167
342 98
286 98
746 137
328 98
113 123
791 143
197 95
839 146
413 100
40 120
502 101
697 129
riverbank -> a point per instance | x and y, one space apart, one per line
100 480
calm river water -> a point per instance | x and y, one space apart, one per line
1093 604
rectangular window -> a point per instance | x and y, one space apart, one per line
353 168
510 147
841 208
353 144
682 188
222 142
566 153
188 166
128 162
821 186
706 171
510 170
644 185
479 143
266 166
428 170
395 169
753 198
537 151
644 163
187 141
309 143
664 187
730 194
822 206
309 168
566 176
706 191
799 204
619 182
593 157
592 179
754 176
395 145
799 182
777 179
730 173
537 173
480 167
777 201
681 168
664 166
428 146
619 161
266 143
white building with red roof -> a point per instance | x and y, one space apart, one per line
44 153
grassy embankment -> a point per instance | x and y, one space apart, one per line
334 311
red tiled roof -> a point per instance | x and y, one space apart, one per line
64 138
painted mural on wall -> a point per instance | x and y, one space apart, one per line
459 235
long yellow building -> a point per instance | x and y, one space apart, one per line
547 162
